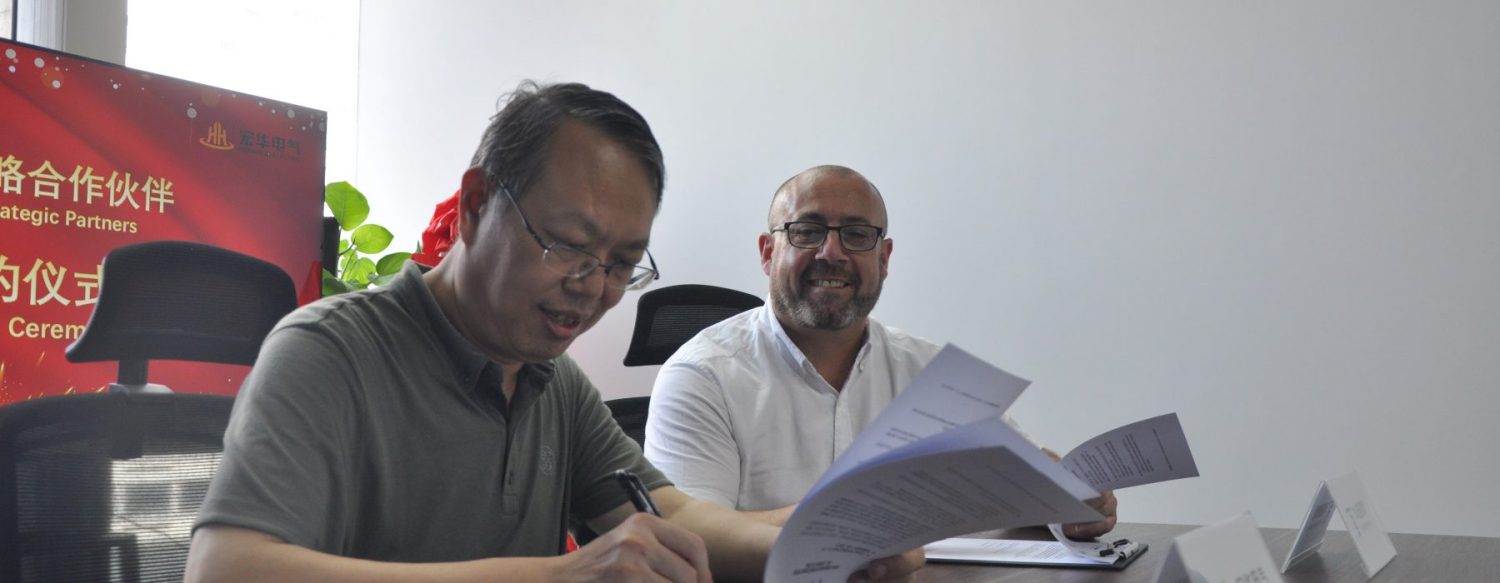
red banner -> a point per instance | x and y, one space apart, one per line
94 156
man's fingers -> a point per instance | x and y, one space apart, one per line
679 554
1088 530
896 568
1106 503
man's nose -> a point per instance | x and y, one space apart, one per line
832 248
591 285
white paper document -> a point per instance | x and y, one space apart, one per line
954 389
980 476
1145 452
940 461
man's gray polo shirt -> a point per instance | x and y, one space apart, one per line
369 427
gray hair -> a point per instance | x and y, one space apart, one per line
514 146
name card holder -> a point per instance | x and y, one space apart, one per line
1232 550
1345 496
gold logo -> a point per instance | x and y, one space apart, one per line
217 139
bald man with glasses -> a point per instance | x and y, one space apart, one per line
750 412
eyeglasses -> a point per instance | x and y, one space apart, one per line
810 235
569 261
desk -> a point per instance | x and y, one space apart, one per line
1419 557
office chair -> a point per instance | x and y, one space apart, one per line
105 486
668 317
630 413
665 319
176 300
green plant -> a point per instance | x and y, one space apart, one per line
358 243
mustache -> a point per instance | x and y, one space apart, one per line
823 269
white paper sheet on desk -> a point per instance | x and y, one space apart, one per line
1008 552
953 390
981 476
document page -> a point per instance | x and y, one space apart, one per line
982 476
954 389
1145 452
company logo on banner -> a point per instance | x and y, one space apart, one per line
96 156
216 139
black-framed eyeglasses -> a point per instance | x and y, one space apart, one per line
569 261
810 235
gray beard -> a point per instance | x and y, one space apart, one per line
803 312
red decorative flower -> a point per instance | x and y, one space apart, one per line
440 233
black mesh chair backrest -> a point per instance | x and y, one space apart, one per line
104 486
630 413
665 318
176 300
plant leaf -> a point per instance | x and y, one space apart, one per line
343 246
390 264
349 206
381 280
371 238
345 260
333 285
360 273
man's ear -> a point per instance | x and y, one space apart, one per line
767 245
473 198
886 246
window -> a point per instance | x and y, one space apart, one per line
305 53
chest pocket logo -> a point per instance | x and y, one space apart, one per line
547 461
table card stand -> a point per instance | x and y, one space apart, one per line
1232 550
1346 495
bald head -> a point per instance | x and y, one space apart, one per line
830 280
827 180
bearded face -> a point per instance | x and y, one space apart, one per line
826 295
817 281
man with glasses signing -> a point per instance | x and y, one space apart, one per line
434 429
751 411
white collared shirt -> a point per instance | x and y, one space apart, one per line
740 417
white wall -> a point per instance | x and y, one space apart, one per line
1277 219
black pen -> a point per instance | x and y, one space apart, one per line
636 491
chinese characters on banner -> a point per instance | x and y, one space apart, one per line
95 156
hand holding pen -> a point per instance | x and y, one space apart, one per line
641 547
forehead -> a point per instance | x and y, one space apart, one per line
834 197
595 185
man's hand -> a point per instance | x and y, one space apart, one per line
642 548
1106 505
897 568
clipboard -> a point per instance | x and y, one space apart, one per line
1031 553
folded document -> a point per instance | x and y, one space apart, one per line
940 462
